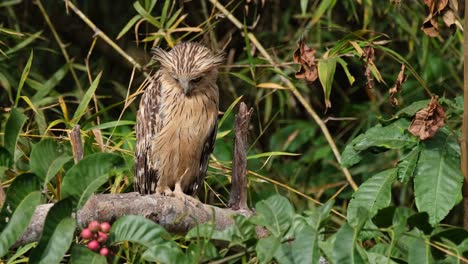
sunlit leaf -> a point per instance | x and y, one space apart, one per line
86 98
137 229
326 71
24 76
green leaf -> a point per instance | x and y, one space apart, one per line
19 189
375 258
24 76
56 165
243 78
373 194
228 111
275 214
412 108
165 252
88 175
111 124
266 248
164 11
146 15
6 159
57 235
392 136
12 129
407 165
24 43
128 26
326 72
19 221
305 245
344 250
419 251
271 154
321 9
201 252
49 85
139 230
80 111
304 6
43 154
343 64
82 255
438 178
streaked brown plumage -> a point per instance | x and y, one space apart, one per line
177 121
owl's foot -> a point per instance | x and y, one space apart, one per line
166 191
178 193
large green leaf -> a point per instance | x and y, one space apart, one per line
88 175
6 159
82 255
166 252
266 248
326 73
407 165
438 178
19 221
305 248
19 189
12 129
419 251
344 250
57 235
137 229
42 156
392 136
275 214
373 194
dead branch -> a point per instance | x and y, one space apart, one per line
238 198
174 214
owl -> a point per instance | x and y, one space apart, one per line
177 121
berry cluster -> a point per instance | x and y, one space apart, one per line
96 233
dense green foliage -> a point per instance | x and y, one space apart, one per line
57 71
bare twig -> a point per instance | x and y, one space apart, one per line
238 199
98 32
77 145
174 214
293 89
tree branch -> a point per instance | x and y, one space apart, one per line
174 214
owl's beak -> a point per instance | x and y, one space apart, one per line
186 86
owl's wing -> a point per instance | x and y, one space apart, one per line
204 159
147 126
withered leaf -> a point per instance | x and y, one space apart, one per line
428 120
397 87
306 57
430 26
438 8
369 55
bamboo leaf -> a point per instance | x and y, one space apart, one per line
23 78
86 98
13 127
326 71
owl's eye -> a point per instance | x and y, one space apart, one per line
196 79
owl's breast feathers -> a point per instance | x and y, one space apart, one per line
175 143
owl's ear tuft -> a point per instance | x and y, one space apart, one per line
161 55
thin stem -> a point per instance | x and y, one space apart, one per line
293 89
61 45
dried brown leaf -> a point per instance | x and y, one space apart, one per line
306 57
398 85
430 26
428 120
369 55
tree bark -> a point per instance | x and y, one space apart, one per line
464 141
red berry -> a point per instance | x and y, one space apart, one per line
101 237
105 227
86 233
93 245
104 251
94 226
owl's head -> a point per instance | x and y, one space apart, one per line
190 64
